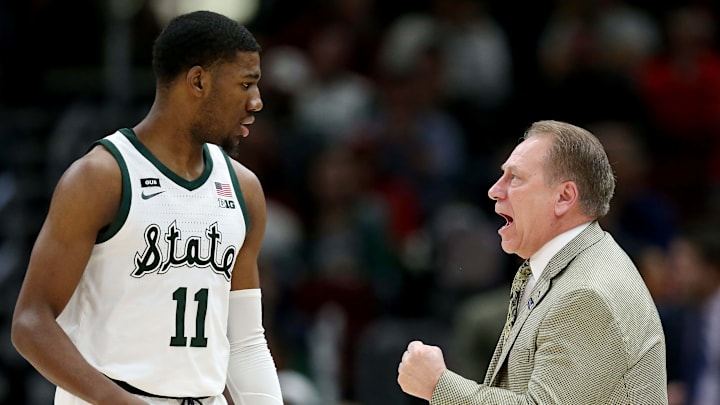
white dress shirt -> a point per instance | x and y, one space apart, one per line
542 257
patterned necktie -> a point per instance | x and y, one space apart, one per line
518 285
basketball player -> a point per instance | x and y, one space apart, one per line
143 285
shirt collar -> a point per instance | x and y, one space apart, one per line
542 257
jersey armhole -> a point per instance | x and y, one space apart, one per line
238 190
109 231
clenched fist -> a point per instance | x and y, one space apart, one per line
420 369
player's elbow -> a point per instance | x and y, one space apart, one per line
23 329
19 330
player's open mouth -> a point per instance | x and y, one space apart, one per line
244 125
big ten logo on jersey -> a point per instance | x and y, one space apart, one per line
223 203
150 182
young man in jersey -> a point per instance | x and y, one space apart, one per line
142 287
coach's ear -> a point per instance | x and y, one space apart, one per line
567 197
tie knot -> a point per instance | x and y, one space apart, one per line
521 277
518 284
524 271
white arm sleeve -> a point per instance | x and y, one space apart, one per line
252 377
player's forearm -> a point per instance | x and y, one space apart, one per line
41 341
252 375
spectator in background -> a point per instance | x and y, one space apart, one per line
353 274
644 221
335 98
627 36
477 80
641 216
299 24
695 258
466 258
583 51
414 137
681 87
474 80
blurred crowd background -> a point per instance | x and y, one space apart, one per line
385 123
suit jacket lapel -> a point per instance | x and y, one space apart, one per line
541 288
587 237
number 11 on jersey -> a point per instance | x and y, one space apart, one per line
180 295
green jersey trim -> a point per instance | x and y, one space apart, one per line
109 231
238 191
186 184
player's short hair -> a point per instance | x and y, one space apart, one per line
199 38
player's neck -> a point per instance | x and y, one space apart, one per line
173 146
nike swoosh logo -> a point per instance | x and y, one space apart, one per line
149 196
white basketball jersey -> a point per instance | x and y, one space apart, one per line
151 308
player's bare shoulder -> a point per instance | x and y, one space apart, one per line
92 183
249 182
252 192
97 169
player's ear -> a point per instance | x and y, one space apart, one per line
195 79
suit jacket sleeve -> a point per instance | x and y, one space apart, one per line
579 357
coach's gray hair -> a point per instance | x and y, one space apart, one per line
578 156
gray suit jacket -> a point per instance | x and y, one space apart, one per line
591 335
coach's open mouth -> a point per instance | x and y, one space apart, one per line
508 220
